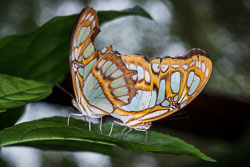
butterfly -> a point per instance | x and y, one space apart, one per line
93 97
131 88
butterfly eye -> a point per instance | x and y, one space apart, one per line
75 64
148 124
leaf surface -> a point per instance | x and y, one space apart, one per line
15 91
52 133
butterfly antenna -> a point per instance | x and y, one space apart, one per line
65 91
178 118
177 114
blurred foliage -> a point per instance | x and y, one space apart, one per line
10 117
237 156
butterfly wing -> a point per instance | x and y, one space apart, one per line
164 85
82 60
182 81
97 92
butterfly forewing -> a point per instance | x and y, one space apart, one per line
89 95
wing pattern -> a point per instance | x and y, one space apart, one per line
94 97
133 88
115 79
90 98
164 85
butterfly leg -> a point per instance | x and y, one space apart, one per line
146 136
101 125
70 114
121 135
123 130
85 120
125 134
89 124
111 129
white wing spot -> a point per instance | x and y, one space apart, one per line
87 17
147 76
203 67
194 85
111 69
156 67
207 73
104 50
100 63
91 18
134 77
175 81
83 18
140 72
164 67
126 65
190 78
185 67
198 64
191 64
93 24
106 66
132 67
175 66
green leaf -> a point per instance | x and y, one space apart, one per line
106 16
10 117
44 54
2 110
15 91
52 133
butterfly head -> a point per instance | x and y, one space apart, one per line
143 127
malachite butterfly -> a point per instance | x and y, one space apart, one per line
134 89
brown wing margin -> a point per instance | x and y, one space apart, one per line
114 78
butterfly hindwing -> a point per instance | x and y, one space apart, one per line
164 85
183 78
